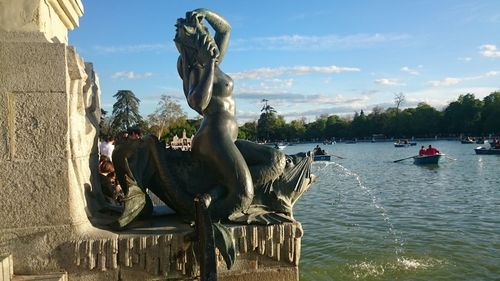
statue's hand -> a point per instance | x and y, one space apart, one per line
207 49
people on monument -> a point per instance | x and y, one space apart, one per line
134 133
208 91
107 146
109 186
110 146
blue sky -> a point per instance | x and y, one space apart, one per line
307 58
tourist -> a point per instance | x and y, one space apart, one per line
421 151
431 150
107 147
318 151
208 91
109 186
134 133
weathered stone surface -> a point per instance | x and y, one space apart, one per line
154 252
6 267
43 277
33 68
53 18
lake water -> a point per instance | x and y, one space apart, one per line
367 218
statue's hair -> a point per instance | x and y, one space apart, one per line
200 38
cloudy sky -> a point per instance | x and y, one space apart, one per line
307 58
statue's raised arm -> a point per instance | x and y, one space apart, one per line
219 24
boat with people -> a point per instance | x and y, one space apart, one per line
427 159
402 143
431 155
320 154
325 157
484 150
467 140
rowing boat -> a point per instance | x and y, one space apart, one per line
427 159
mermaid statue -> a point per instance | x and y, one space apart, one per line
237 180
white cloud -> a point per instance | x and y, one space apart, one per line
445 82
388 82
326 42
133 48
410 70
268 72
466 59
489 50
492 73
130 75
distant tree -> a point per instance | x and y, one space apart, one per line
266 121
399 100
463 115
125 111
267 108
359 125
426 120
105 125
248 131
167 112
490 114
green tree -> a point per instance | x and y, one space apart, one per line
426 120
125 111
167 112
490 114
463 115
266 121
105 124
248 131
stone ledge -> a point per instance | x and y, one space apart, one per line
6 267
59 276
164 253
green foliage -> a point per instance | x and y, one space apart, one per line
467 116
167 113
125 111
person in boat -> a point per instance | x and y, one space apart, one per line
421 151
318 151
431 150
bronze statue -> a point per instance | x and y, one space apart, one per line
208 91
239 181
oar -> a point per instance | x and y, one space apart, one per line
337 156
395 161
451 158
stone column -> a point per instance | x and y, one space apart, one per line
49 114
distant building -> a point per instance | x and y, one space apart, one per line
183 143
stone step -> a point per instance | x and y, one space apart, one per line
6 267
59 276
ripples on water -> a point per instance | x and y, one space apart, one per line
367 218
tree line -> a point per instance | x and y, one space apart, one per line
467 116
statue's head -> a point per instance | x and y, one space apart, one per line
192 37
185 34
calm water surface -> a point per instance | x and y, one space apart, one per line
367 218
